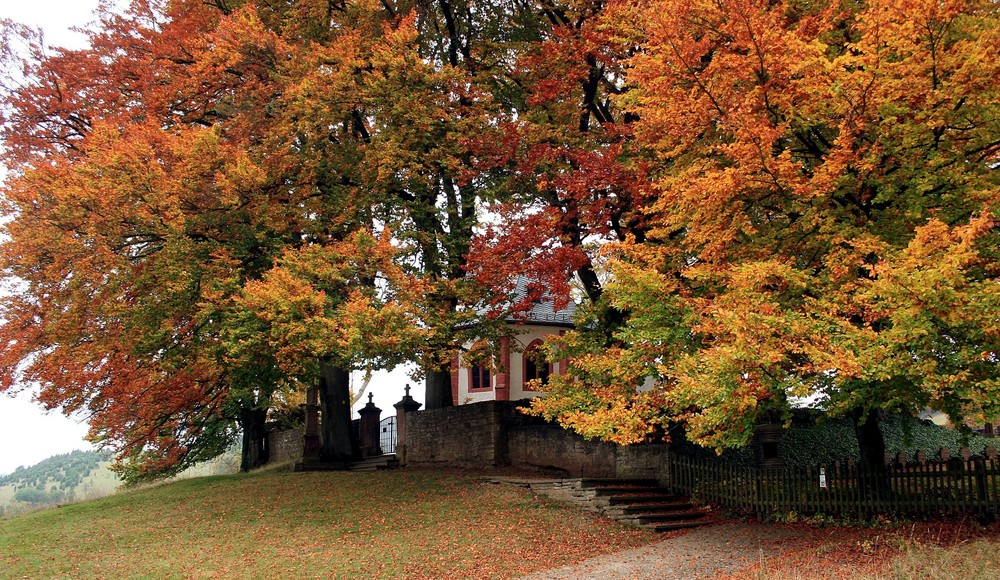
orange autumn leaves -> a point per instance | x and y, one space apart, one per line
822 220
347 300
163 180
762 201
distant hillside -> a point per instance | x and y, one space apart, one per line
67 469
58 479
81 475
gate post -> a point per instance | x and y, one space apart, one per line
405 406
370 417
310 440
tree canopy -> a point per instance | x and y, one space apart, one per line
822 218
169 183
217 203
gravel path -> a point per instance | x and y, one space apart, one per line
700 553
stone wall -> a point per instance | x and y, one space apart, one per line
464 436
496 434
285 445
550 447
643 461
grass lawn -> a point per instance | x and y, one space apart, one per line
944 550
974 560
401 523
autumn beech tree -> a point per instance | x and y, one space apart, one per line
571 180
191 150
328 309
242 143
823 187
438 111
575 182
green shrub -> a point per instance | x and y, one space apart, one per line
817 439
828 440
37 496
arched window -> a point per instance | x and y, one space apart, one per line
536 366
480 376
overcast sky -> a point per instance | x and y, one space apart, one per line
55 17
27 433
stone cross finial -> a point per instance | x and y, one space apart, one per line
407 389
370 397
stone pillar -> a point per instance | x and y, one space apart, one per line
310 443
502 391
454 381
370 417
562 366
403 408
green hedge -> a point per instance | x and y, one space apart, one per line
814 439
828 440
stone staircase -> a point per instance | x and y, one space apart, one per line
639 502
317 465
376 463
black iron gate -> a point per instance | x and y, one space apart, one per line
387 435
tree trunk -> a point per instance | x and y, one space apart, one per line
872 447
255 452
337 440
438 388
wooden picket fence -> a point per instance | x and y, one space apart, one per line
955 486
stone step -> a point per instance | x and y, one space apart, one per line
637 502
638 508
679 525
606 481
633 498
316 465
377 463
657 517
367 464
377 459
606 490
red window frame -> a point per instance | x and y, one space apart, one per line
549 367
482 375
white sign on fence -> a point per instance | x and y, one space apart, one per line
822 477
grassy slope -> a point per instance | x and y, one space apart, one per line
280 524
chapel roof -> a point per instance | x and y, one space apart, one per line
543 310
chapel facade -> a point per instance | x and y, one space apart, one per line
521 358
